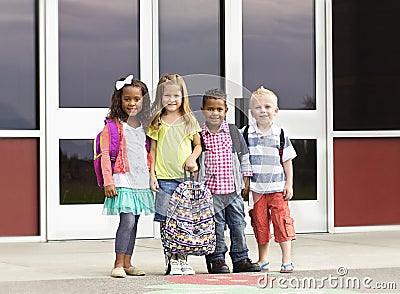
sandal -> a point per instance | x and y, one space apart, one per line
287 268
265 266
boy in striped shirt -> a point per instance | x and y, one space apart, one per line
272 180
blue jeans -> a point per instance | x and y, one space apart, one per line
229 210
163 196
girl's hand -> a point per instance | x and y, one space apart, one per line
288 192
110 191
190 165
154 183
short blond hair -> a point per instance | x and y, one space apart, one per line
263 92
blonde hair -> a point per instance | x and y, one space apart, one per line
158 110
263 92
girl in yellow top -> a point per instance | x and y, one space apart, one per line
173 132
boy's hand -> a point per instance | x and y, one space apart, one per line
153 183
246 190
110 191
245 194
287 192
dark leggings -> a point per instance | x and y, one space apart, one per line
126 233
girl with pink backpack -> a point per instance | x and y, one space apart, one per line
126 182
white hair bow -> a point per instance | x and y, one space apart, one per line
120 84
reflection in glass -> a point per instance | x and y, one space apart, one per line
279 50
242 106
78 184
99 42
18 83
366 72
189 33
305 169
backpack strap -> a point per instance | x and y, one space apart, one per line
234 132
235 139
114 139
281 145
246 135
148 144
203 145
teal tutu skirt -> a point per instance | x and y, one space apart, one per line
128 200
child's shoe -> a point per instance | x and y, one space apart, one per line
287 268
264 266
218 267
176 268
186 268
134 271
118 272
245 265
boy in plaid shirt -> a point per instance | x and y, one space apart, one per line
227 175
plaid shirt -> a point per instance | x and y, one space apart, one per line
218 159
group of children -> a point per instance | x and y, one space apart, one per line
179 143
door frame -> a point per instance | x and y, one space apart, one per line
307 128
65 221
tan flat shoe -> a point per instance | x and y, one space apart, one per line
118 272
134 271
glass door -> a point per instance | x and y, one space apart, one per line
284 50
84 56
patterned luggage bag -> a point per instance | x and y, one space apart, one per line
190 227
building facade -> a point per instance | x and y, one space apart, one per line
333 64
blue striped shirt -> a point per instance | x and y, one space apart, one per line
268 175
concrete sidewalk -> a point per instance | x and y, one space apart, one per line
83 264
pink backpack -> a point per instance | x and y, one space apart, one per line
114 150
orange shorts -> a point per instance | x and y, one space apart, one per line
267 208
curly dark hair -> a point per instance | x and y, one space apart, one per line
116 111
214 94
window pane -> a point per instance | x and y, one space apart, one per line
18 96
189 33
99 42
279 50
305 170
366 72
78 184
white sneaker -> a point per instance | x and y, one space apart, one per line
176 268
186 268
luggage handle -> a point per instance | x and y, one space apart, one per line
185 177
191 179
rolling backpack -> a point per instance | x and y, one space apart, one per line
114 150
